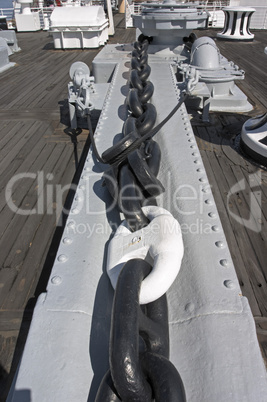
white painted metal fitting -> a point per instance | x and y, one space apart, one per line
160 243
205 54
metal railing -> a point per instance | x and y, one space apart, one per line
259 18
8 13
216 19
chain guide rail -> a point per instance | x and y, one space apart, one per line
140 369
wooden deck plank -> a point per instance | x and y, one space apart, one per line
21 245
12 148
237 256
7 136
21 189
222 179
26 198
21 163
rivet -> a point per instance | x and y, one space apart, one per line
189 307
219 244
56 280
78 198
208 201
85 177
206 190
190 140
202 180
212 215
75 211
62 258
215 228
71 224
196 161
200 170
82 187
192 146
195 154
224 262
229 284
67 240
87 169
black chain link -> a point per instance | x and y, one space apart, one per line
136 180
139 345
140 370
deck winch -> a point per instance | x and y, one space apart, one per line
168 21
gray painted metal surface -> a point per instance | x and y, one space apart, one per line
168 22
4 56
215 87
216 75
11 39
212 332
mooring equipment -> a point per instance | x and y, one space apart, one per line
254 138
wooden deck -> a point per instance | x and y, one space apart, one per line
35 138
239 185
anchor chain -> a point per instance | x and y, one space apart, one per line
133 181
140 370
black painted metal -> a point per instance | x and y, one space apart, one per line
242 23
130 200
106 391
234 23
248 22
126 371
139 342
226 24
137 178
139 345
165 380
